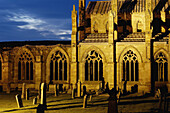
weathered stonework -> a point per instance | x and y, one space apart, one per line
116 42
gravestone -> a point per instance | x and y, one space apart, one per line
43 95
19 101
35 101
158 93
85 101
40 109
73 93
27 94
90 99
23 90
112 105
84 90
97 92
79 89
56 90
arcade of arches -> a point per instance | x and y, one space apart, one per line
31 68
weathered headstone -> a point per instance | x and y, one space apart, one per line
23 90
79 89
158 93
85 101
35 101
97 92
84 90
112 105
56 90
73 93
19 101
40 109
43 95
27 94
90 99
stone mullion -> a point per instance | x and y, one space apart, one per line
25 70
98 70
163 71
54 69
158 73
134 65
21 70
58 69
93 70
143 5
88 70
125 72
63 70
29 70
130 70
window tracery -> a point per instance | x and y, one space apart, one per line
25 67
130 66
93 67
58 67
161 67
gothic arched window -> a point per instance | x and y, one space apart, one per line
130 67
58 67
93 67
25 67
161 67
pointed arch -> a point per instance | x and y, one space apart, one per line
60 67
161 50
24 49
161 65
132 48
24 65
83 58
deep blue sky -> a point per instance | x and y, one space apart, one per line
23 20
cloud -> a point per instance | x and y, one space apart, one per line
44 26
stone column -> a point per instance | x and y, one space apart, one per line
38 72
73 77
112 37
5 72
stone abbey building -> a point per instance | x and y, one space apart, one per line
115 42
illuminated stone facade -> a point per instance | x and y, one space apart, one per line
116 42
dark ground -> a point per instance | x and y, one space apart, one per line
65 104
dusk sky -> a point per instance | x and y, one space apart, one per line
24 20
